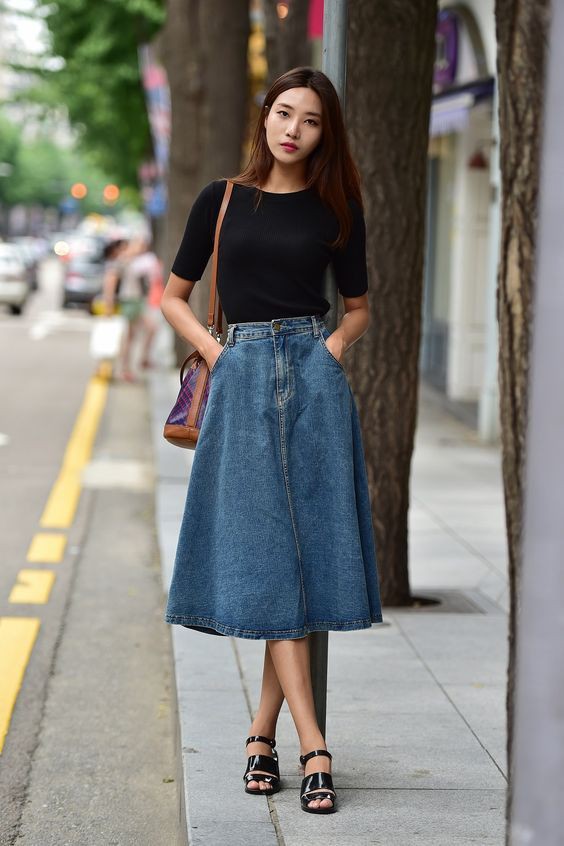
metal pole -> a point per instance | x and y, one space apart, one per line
537 814
488 410
334 64
334 53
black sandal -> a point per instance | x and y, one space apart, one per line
262 762
313 781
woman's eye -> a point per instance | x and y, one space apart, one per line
283 112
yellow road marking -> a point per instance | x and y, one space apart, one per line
46 548
62 502
33 586
17 636
105 370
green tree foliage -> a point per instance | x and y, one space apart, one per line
39 175
40 172
99 82
9 146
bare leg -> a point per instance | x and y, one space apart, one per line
150 325
291 660
266 717
126 349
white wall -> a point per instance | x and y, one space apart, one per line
483 11
471 226
469 263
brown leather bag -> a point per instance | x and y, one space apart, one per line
184 421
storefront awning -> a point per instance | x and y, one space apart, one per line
450 110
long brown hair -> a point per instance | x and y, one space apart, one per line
330 167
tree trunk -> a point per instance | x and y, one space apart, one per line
207 74
286 38
226 85
391 51
182 56
521 35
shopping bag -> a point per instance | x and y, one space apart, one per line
98 307
106 337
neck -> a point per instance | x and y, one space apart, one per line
283 179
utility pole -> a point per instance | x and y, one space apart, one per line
334 65
537 813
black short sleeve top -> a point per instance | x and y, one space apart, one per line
271 260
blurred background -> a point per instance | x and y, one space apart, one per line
113 116
88 149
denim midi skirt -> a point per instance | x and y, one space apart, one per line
276 539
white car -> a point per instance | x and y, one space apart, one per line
14 281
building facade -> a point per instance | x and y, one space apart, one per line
459 342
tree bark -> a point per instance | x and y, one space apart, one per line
286 38
226 85
182 56
391 50
522 36
207 74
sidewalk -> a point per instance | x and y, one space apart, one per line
416 706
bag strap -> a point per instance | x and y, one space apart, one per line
213 322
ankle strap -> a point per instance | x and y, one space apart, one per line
271 741
305 758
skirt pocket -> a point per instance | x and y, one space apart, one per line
323 334
221 356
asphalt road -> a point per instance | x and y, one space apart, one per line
89 756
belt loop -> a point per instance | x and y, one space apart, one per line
230 330
315 325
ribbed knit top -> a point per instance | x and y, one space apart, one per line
271 261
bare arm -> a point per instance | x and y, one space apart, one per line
354 324
174 306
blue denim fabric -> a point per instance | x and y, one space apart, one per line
276 539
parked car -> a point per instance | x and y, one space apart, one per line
72 244
14 282
30 259
84 277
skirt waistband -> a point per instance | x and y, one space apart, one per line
280 326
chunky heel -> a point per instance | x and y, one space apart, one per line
320 782
256 763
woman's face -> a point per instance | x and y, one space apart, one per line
294 118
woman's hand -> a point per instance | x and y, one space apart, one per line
174 306
336 345
214 355
353 325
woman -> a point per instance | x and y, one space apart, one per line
139 271
112 270
276 539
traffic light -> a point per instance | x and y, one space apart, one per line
79 190
111 194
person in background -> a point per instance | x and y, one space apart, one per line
140 273
113 268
